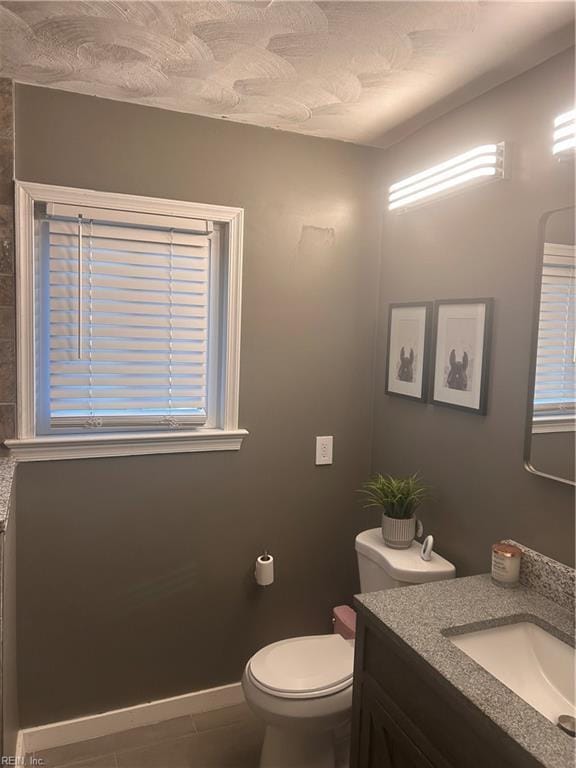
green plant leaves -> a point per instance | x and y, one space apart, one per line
399 496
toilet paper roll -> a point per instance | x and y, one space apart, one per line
264 572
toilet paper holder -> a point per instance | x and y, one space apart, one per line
264 569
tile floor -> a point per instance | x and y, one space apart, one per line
224 738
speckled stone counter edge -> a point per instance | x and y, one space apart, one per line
7 470
548 577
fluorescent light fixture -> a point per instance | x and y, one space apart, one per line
564 133
478 164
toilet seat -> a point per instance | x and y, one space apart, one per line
303 667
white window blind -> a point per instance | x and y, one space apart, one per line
123 320
555 385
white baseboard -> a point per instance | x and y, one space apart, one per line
20 753
93 726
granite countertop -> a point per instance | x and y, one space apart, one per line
7 469
422 615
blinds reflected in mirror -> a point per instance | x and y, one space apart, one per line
127 324
555 385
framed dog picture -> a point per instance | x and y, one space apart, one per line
409 328
462 330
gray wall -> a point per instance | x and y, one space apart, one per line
559 227
553 453
482 242
135 573
8 671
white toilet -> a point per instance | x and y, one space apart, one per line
302 687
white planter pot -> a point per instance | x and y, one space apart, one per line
398 534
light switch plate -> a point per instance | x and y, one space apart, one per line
324 449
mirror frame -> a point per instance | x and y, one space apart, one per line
534 348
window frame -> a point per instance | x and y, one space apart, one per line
225 434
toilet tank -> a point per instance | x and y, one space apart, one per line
382 567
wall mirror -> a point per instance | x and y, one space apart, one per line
551 423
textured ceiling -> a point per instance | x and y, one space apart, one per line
344 70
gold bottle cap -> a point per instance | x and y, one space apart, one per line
506 550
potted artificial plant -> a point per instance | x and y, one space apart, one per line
399 498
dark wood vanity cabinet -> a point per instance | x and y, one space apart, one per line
407 715
382 743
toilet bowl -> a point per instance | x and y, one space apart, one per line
302 689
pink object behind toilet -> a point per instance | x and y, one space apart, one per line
344 620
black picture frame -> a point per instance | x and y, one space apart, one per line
486 345
427 306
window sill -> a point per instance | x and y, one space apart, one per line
542 426
137 444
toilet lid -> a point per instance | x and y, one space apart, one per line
302 667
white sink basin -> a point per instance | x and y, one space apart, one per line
530 661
